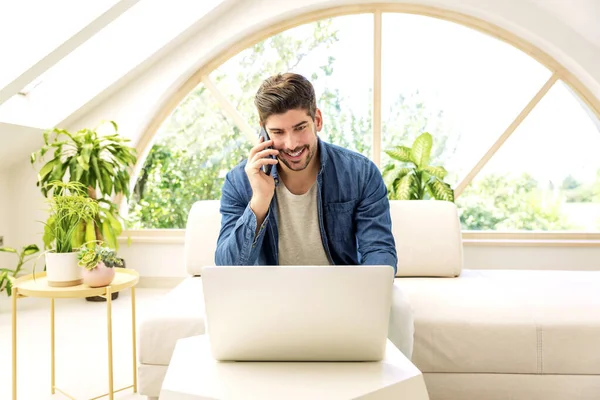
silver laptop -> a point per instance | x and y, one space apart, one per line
297 313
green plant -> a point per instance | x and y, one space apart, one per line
70 207
7 276
101 163
90 256
420 180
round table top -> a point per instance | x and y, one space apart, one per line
37 286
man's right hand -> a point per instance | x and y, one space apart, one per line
263 185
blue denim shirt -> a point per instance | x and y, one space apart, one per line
354 215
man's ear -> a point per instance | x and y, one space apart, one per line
318 120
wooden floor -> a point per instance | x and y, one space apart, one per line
81 347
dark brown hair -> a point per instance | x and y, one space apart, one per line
283 92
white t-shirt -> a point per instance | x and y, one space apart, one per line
298 226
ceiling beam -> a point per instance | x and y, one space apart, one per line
64 49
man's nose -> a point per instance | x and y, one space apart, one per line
290 142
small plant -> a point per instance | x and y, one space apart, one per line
90 256
7 276
421 180
70 207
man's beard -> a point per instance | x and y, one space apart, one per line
310 152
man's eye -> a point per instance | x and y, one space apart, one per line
301 128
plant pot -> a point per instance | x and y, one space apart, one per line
98 277
62 269
114 296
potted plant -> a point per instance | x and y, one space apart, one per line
102 163
98 264
7 275
419 180
69 207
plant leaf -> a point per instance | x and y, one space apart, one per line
387 169
109 236
421 150
400 153
441 190
30 249
47 168
98 176
405 187
438 172
82 163
9 250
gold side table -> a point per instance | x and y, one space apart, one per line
27 286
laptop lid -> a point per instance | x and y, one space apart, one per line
297 313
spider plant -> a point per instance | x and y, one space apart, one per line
70 208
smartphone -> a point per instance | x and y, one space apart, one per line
266 168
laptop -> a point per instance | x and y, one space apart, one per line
297 313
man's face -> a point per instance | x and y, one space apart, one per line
294 134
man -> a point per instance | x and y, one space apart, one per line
320 205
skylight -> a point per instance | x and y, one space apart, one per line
34 28
121 46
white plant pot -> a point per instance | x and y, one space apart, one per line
62 269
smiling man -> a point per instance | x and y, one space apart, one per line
320 205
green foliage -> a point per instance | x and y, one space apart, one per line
410 115
100 163
499 202
90 256
7 275
577 192
70 209
199 144
420 180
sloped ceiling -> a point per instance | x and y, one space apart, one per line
23 117
583 16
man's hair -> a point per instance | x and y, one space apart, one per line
283 92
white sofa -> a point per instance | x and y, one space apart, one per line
479 334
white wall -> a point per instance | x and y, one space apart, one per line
5 200
28 210
5 223
133 104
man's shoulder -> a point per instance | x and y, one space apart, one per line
238 170
351 159
237 178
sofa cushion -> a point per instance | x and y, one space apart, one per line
428 238
439 255
179 314
503 321
201 234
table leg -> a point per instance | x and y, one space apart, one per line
109 324
15 294
134 337
52 360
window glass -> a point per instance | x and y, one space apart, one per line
193 150
545 177
460 85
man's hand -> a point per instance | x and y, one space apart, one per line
263 186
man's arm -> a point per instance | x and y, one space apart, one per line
239 238
376 243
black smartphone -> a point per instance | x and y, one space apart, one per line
266 168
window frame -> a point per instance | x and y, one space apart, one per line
485 238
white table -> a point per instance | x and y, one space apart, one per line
193 375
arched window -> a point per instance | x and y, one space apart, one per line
517 143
